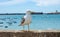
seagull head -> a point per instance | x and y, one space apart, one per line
28 12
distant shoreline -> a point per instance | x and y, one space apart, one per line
24 13
17 13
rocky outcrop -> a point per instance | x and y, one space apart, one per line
29 34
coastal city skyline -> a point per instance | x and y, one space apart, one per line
20 6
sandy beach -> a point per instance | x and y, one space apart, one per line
30 30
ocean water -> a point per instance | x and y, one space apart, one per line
39 22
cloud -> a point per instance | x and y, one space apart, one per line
12 2
46 2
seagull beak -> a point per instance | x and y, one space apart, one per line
32 12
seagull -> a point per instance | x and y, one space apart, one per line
26 20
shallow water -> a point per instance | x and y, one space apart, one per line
42 22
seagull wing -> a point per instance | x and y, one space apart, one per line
23 20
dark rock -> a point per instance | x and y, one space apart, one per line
6 26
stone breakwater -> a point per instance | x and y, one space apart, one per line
29 34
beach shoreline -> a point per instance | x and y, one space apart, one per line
30 30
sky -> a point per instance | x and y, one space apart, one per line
21 6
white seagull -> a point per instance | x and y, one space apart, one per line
26 20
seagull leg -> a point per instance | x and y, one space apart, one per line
28 28
23 27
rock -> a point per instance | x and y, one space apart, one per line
29 34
